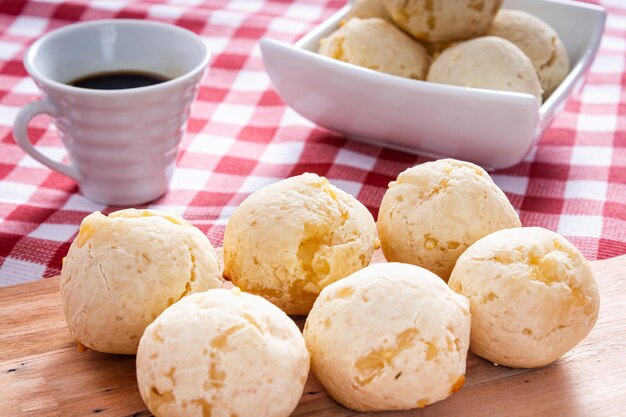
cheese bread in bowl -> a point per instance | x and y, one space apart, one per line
538 41
376 44
443 20
488 62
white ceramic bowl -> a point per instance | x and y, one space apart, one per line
492 128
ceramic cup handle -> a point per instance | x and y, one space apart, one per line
20 132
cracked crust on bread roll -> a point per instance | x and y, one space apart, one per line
434 211
222 353
533 296
391 336
290 239
124 269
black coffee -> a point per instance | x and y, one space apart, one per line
118 80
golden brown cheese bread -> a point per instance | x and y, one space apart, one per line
532 293
222 353
443 20
434 211
389 337
124 269
538 41
378 45
292 238
489 62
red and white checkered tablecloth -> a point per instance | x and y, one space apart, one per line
241 136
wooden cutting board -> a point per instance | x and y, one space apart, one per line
43 374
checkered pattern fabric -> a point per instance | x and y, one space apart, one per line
242 137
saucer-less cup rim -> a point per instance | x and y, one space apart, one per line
48 82
36 46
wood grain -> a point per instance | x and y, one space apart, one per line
43 374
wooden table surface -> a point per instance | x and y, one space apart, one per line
43 374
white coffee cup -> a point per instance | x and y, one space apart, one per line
122 144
